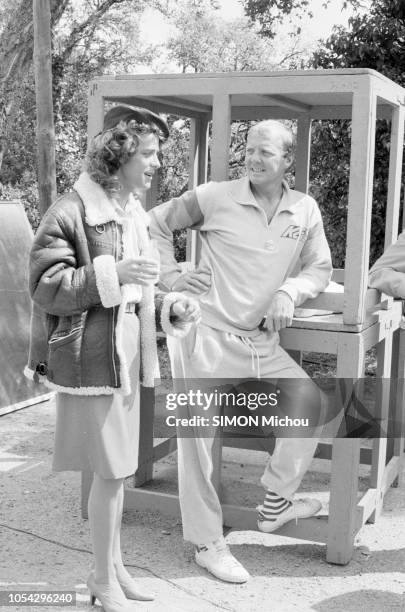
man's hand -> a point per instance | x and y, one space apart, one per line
197 282
280 312
187 309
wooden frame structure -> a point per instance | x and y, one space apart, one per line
366 318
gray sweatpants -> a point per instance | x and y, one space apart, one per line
210 353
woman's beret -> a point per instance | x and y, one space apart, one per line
140 115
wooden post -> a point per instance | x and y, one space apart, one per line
360 204
198 166
394 176
345 463
381 411
303 154
149 199
302 162
95 113
221 129
43 92
144 472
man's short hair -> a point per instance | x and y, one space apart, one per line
285 132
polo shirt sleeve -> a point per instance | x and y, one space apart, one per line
315 261
178 213
388 272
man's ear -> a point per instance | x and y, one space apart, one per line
288 160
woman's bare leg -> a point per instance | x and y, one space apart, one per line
104 500
117 555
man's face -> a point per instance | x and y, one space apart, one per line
137 173
266 160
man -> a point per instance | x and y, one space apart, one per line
388 272
264 251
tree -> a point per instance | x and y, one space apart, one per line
269 13
89 38
16 49
205 42
375 39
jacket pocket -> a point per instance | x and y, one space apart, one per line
67 329
64 349
60 340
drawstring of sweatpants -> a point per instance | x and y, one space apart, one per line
253 352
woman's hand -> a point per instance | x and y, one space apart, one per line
187 310
138 270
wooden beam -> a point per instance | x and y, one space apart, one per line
314 528
187 104
164 448
292 338
32 401
298 107
285 84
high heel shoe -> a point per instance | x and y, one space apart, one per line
131 590
110 595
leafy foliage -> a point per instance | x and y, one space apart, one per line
96 37
374 40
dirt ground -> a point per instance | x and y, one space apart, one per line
44 541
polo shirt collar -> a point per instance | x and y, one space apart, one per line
241 193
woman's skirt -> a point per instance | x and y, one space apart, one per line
100 433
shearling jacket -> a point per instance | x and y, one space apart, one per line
76 325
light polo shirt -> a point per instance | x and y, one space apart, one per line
249 258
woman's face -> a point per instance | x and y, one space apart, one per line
137 173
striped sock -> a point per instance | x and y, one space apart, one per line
273 506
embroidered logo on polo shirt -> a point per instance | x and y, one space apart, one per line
295 232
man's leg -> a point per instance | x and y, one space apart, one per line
292 456
192 358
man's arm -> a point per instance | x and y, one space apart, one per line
178 213
316 265
313 278
388 272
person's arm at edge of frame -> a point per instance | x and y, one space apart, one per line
388 272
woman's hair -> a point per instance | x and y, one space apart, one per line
113 147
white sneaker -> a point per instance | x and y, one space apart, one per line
218 559
300 508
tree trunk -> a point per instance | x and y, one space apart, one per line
43 91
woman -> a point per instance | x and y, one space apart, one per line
91 281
